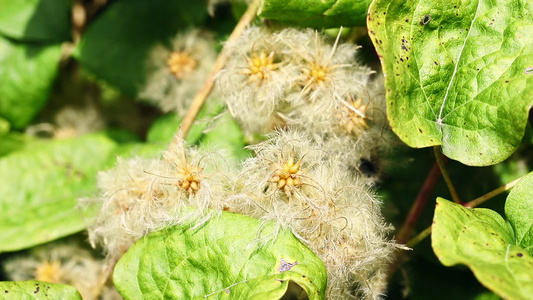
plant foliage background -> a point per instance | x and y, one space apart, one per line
73 98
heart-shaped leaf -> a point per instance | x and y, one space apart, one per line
498 254
229 257
458 74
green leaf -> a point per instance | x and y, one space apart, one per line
519 212
26 73
316 14
226 134
221 259
34 289
4 126
164 128
35 20
116 44
40 185
458 74
12 141
481 239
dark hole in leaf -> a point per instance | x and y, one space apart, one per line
519 254
425 20
295 292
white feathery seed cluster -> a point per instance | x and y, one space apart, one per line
61 263
295 181
144 195
313 174
176 73
304 80
256 79
291 77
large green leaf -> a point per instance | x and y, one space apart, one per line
35 20
458 74
221 259
481 239
26 73
33 289
316 14
519 212
40 185
116 44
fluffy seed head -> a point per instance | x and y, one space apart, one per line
143 195
256 79
175 72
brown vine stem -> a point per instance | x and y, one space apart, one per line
440 160
209 83
414 213
472 204
419 204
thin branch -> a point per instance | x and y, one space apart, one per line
441 162
474 203
492 194
419 204
419 237
209 83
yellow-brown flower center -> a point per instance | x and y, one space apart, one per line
316 75
260 66
352 116
181 64
189 178
48 271
287 176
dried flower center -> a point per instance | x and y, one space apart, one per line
189 178
352 116
316 75
259 67
181 64
48 271
287 176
